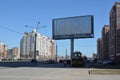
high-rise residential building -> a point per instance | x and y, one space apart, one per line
27 45
105 40
99 48
110 41
114 31
44 46
3 50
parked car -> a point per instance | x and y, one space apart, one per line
114 62
51 61
45 62
99 61
69 62
110 62
107 62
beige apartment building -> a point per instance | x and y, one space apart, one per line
44 46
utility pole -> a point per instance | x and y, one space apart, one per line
35 60
56 53
36 28
66 54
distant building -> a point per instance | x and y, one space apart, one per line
14 53
44 46
105 41
94 56
3 50
10 54
99 48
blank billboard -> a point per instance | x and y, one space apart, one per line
73 27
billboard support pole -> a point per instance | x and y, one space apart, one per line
72 47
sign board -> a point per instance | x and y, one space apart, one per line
73 27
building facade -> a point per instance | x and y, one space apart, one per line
44 46
10 54
14 53
27 45
114 31
105 40
3 50
99 48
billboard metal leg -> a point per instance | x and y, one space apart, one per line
72 49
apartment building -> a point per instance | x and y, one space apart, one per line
44 46
14 53
105 41
99 48
3 50
114 31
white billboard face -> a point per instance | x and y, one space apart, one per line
73 27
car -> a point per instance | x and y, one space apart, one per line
99 61
45 62
33 61
51 61
114 62
107 62
69 62
110 62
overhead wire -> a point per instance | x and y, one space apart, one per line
5 28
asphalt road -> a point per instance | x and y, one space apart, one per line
50 72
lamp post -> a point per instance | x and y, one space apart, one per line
35 52
35 47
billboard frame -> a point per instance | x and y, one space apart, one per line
74 36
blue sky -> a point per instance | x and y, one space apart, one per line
15 14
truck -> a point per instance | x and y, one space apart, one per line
77 59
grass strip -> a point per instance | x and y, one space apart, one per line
105 72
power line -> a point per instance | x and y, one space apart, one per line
5 28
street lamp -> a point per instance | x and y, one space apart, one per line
36 28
